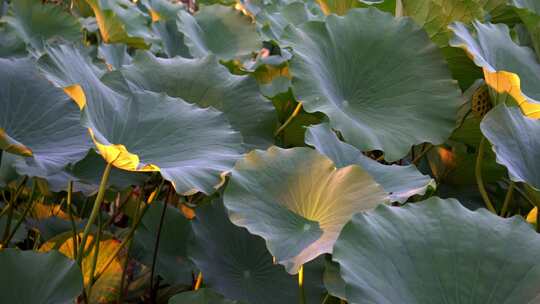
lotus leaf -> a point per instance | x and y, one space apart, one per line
419 254
381 81
297 200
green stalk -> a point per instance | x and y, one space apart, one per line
479 178
70 214
507 198
123 244
9 208
130 234
7 227
36 240
425 150
126 261
6 206
95 211
325 299
95 256
84 207
120 209
30 204
153 289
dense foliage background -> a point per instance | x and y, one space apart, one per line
269 151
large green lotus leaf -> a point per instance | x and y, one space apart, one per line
333 281
405 95
273 19
38 121
509 69
163 9
115 55
205 82
219 30
138 130
238 265
172 262
201 296
51 277
297 200
164 26
438 251
33 23
171 39
435 15
121 21
515 142
401 182
529 12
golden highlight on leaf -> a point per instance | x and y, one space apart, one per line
509 83
43 211
9 145
269 73
240 7
77 94
120 157
154 15
100 19
531 217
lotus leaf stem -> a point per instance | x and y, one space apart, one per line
507 198
95 256
29 206
479 178
288 121
131 232
153 289
95 211
71 219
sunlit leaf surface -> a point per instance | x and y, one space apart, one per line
297 200
401 182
